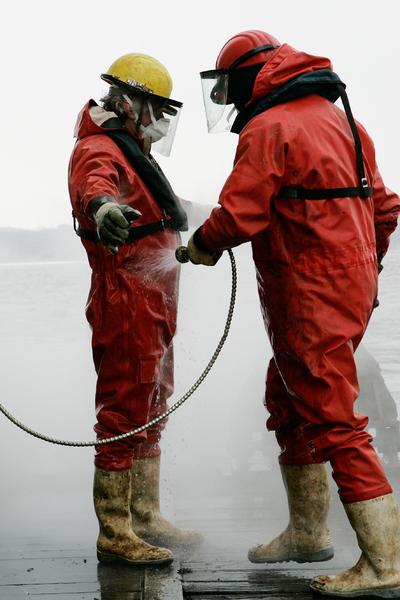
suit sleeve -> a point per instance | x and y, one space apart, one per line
245 199
93 172
386 211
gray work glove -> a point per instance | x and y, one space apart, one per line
199 256
113 221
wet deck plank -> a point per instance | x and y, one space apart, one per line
250 583
56 591
79 577
246 596
220 569
247 583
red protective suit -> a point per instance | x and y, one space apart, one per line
316 263
132 302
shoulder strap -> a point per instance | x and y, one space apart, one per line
299 192
153 178
361 191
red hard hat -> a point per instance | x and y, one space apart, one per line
244 42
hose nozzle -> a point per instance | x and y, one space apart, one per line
181 254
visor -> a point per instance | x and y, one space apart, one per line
215 92
219 112
163 108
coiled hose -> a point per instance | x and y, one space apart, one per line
181 255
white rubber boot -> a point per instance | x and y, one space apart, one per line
147 519
117 541
307 537
377 572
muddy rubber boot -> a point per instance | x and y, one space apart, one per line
307 537
377 572
147 519
117 541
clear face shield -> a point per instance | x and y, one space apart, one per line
220 112
157 119
156 116
164 116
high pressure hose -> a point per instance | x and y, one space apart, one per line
182 256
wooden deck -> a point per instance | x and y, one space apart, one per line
54 576
67 575
219 569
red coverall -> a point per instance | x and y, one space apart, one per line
316 264
132 304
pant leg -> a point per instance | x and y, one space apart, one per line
133 322
312 406
163 390
285 421
125 388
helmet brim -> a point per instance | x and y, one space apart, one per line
169 105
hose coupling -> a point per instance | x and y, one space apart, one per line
181 254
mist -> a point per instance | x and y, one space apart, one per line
218 461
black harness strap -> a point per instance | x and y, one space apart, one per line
324 194
363 183
152 177
135 233
362 191
328 85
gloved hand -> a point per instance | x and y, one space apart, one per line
202 257
113 221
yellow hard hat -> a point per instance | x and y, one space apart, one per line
141 72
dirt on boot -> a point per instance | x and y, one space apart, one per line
377 572
147 520
117 541
307 537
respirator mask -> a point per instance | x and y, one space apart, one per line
160 131
157 129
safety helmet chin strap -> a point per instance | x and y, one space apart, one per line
241 59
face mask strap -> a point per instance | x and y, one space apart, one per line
138 114
231 112
152 117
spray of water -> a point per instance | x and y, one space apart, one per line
154 263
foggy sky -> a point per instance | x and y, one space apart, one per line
53 55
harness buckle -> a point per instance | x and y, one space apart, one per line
74 221
364 182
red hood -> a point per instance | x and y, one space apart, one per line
286 63
89 121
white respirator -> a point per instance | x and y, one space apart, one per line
157 129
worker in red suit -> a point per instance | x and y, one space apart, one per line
305 190
115 181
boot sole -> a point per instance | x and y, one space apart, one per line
104 557
319 556
375 592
